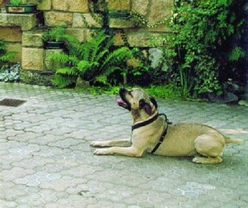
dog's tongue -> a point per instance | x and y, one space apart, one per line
120 102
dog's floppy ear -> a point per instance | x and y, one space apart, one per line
144 105
154 102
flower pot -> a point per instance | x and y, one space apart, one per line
54 45
21 9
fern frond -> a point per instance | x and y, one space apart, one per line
97 44
66 71
83 66
101 79
62 81
111 69
101 54
59 57
117 57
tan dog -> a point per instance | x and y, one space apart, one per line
151 132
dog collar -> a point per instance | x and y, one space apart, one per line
144 123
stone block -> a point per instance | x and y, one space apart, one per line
11 34
32 39
32 58
24 21
143 38
120 23
118 4
79 33
49 64
161 27
160 10
140 6
44 5
78 20
56 18
118 40
15 47
71 6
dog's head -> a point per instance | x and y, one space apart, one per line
138 102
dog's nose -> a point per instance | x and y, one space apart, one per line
122 90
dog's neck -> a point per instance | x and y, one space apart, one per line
145 121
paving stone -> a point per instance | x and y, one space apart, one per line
46 160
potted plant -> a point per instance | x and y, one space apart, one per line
17 7
54 37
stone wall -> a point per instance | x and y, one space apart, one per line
25 35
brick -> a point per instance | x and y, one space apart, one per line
45 5
78 20
159 10
79 33
71 6
15 47
57 18
32 58
120 23
32 38
11 34
118 4
142 38
24 21
140 6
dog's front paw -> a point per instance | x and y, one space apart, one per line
96 144
102 152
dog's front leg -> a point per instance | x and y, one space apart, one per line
127 151
110 143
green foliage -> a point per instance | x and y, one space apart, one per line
15 2
199 44
168 91
94 61
236 54
4 55
54 34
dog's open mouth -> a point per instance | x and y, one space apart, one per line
121 103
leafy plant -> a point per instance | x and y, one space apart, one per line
199 43
15 2
94 61
55 34
4 55
168 91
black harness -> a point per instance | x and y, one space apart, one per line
144 123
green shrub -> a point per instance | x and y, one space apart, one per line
200 44
94 61
4 55
55 34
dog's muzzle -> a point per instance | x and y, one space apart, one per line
122 100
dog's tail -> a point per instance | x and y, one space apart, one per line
233 140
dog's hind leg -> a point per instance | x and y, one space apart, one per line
210 147
110 143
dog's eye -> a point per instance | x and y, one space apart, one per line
142 102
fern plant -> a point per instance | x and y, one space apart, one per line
93 61
4 55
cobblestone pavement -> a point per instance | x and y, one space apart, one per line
46 160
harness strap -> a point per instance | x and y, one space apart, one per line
161 140
138 125
141 124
